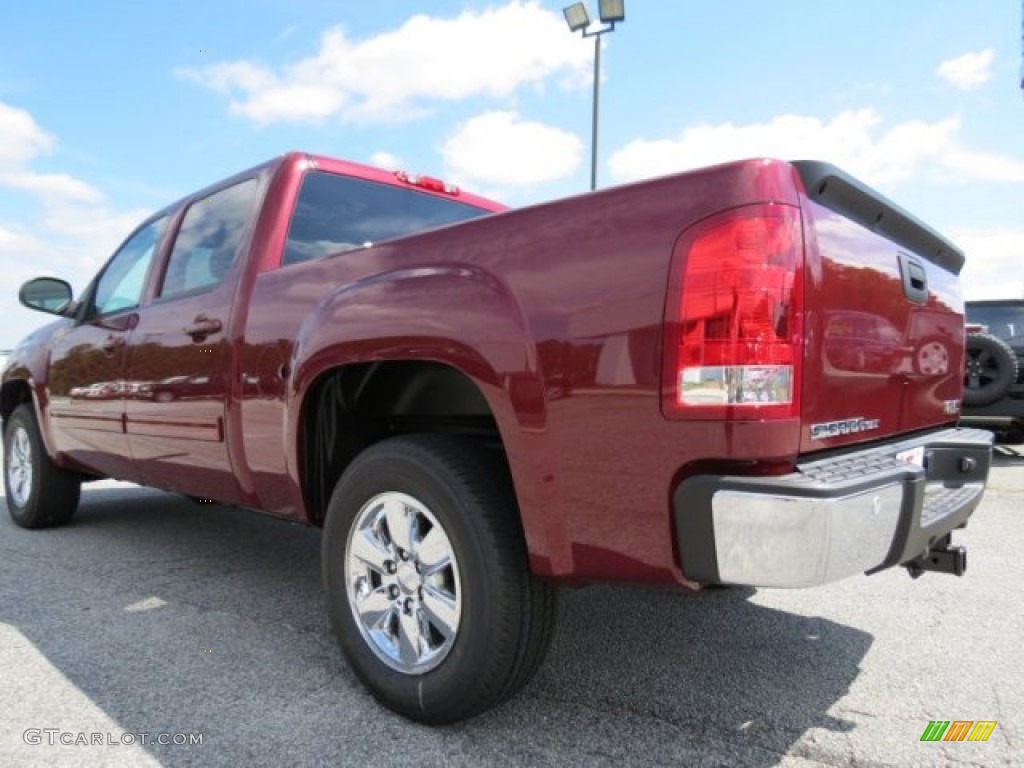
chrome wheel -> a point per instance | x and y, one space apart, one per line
19 467
403 585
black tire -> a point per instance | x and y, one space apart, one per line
506 616
990 371
1014 435
45 497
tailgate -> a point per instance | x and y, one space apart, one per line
884 316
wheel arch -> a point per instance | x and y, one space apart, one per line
16 392
13 393
413 364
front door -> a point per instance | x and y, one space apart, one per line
180 356
87 364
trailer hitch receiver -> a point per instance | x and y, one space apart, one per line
943 557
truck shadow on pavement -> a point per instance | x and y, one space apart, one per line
170 616
1008 456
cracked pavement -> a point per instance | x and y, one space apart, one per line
150 613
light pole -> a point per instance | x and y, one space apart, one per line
578 19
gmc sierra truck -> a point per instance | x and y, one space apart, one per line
747 374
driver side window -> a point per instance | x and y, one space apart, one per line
121 284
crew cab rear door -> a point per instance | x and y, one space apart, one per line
180 355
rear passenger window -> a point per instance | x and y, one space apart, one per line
208 240
337 213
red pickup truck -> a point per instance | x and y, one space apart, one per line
747 374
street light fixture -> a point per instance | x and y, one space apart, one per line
578 19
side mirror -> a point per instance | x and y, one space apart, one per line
47 294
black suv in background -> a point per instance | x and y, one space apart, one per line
994 375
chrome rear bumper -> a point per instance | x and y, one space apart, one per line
852 512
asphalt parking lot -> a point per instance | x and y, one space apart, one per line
151 614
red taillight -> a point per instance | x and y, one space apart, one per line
734 317
427 182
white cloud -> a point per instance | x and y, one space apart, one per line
386 160
987 166
968 71
995 262
21 138
72 232
857 141
16 242
498 148
51 186
399 74
99 226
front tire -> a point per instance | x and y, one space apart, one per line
428 588
39 493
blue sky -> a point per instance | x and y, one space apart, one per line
109 110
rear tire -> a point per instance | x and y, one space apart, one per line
39 494
991 369
428 587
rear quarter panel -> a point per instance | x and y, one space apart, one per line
556 311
